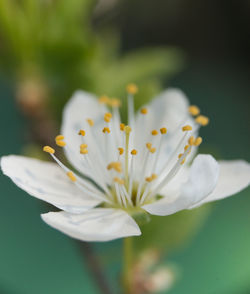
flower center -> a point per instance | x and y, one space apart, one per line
129 171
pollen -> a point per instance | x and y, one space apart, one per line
84 151
154 133
106 130
48 149
194 110
116 166
134 152
121 150
107 116
83 146
198 141
144 110
149 145
132 89
104 99
163 130
90 122
127 129
59 138
60 143
202 120
180 155
115 102
122 127
191 140
151 178
119 181
152 150
186 128
81 133
183 161
186 147
71 176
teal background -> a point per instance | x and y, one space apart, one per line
37 259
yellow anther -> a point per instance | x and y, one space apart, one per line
121 150
148 179
48 149
152 150
116 166
127 129
81 133
84 151
119 181
60 143
144 110
180 155
90 122
59 138
186 147
202 120
122 127
154 133
107 116
83 146
191 141
163 130
194 110
134 152
149 145
153 176
186 128
107 119
104 99
106 130
71 176
132 89
198 141
115 102
183 161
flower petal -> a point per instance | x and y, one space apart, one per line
81 106
99 224
46 181
203 176
234 176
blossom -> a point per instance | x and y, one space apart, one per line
120 172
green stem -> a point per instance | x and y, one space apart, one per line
127 264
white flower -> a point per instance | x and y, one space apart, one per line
124 171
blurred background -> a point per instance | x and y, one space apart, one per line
49 48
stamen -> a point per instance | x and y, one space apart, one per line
121 150
144 110
191 140
148 145
48 149
198 141
106 130
122 127
134 152
186 147
60 143
115 102
186 128
104 99
119 181
82 133
71 176
202 120
107 117
84 151
59 138
90 122
127 130
132 89
194 110
116 165
154 133
83 146
163 130
152 150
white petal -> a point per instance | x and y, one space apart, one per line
46 181
234 176
203 176
99 224
81 106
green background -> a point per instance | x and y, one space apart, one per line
37 259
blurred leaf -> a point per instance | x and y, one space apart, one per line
170 232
